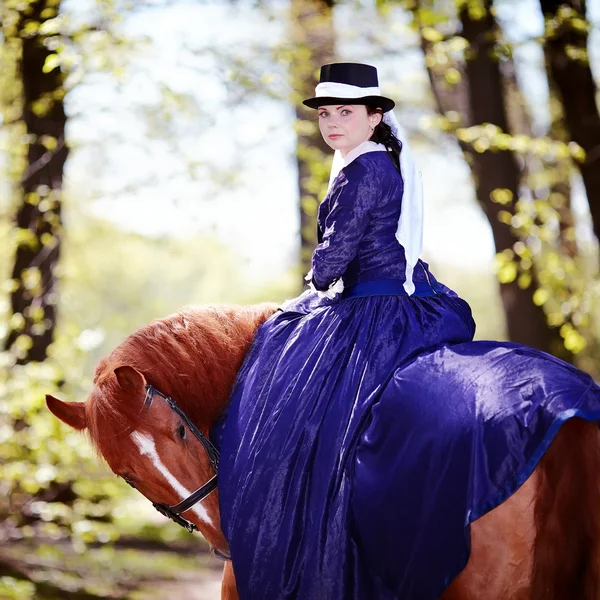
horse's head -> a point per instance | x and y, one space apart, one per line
137 431
148 445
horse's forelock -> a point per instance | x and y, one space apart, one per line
101 369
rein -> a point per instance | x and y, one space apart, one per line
174 512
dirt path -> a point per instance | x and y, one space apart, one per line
202 585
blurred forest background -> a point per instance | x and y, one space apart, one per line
154 153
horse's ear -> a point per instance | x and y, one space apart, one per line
130 379
71 413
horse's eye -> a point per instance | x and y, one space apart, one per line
181 432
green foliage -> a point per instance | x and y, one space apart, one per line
16 589
41 458
565 272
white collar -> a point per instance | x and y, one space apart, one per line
366 146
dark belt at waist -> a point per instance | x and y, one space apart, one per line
392 287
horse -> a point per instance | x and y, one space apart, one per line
156 396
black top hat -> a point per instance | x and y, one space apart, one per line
341 83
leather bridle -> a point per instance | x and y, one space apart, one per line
174 512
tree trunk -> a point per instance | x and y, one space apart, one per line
38 216
313 40
526 322
479 98
569 67
559 170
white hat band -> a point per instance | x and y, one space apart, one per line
344 90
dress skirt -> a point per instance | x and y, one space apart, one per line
364 435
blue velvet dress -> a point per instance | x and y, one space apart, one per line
366 432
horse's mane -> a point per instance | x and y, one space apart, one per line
192 355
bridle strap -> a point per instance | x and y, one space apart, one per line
213 453
199 494
174 512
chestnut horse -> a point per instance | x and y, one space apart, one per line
543 543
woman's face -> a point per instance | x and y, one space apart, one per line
346 126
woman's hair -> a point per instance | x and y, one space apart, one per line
383 134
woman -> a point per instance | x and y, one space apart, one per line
367 430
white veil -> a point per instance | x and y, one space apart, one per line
410 225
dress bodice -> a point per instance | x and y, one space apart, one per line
357 233
357 224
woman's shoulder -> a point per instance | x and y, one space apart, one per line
373 165
375 171
372 171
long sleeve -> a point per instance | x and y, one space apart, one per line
355 192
